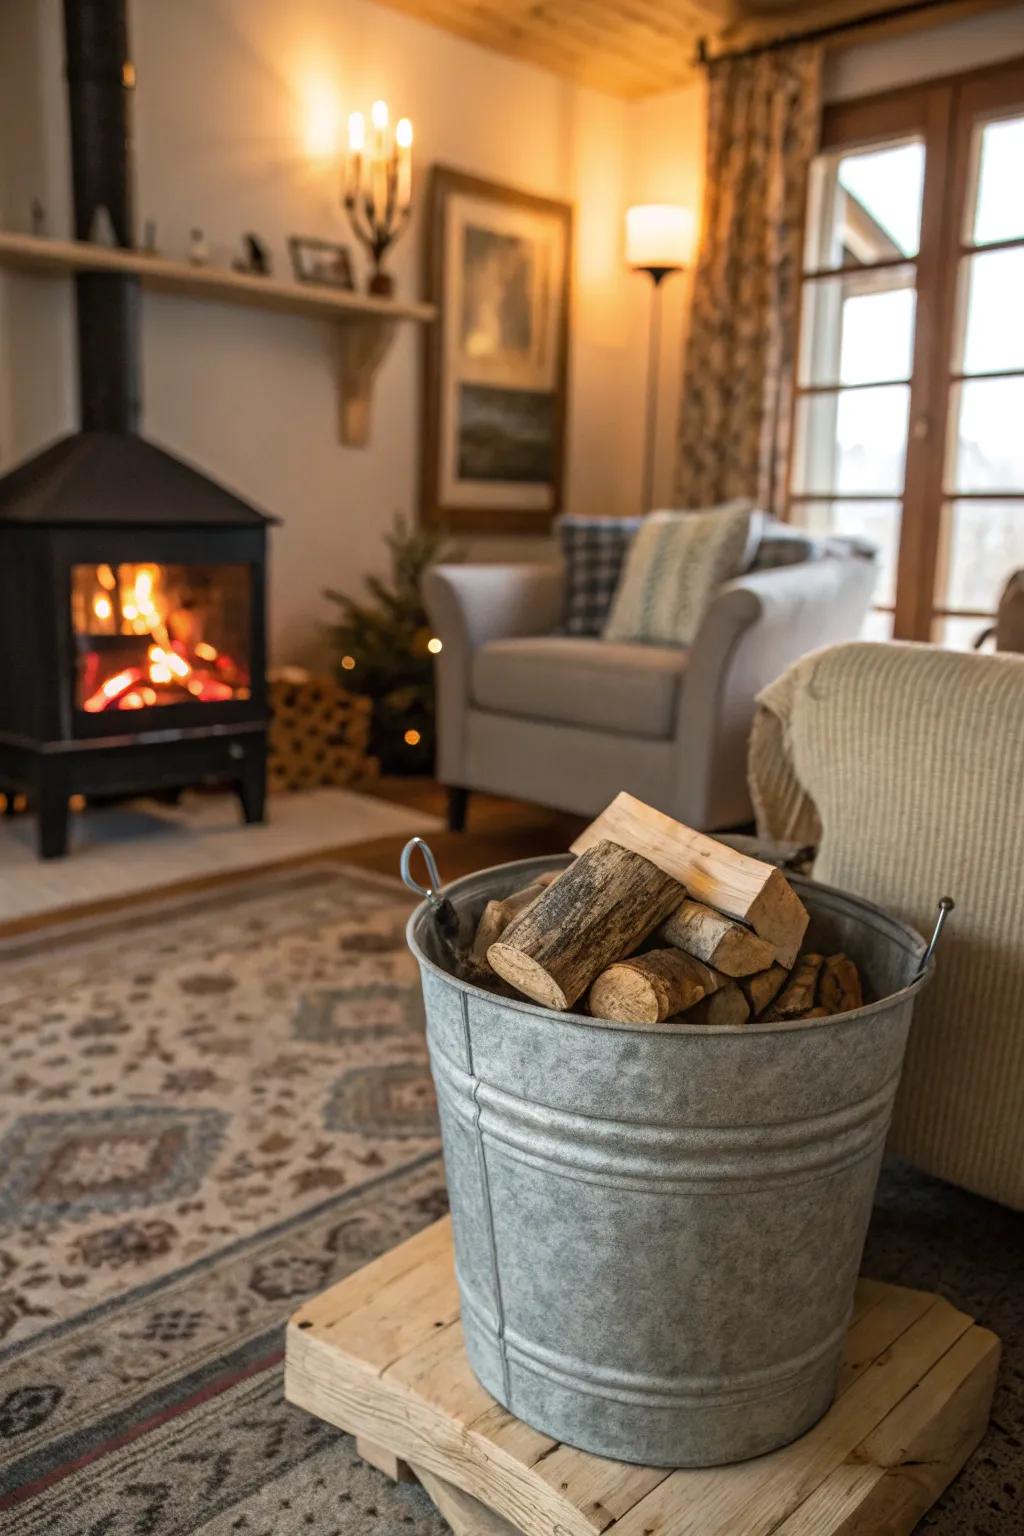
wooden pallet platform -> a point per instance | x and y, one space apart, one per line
381 1355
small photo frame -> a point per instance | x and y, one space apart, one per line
321 261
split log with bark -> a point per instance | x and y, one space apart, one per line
717 940
599 910
652 987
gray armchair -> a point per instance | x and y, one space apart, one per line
567 722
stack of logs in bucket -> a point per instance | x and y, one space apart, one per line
619 934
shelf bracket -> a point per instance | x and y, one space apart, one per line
365 342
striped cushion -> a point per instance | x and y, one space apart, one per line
676 564
594 549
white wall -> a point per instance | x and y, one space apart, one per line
226 92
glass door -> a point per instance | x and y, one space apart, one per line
855 359
909 401
981 538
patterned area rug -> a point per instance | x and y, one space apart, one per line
212 1108
209 1109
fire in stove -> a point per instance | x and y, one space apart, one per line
149 635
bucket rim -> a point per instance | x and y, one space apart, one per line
895 926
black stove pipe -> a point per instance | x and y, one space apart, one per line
100 80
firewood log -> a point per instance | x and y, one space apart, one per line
764 988
727 1006
839 989
744 888
798 995
650 988
716 939
497 915
597 911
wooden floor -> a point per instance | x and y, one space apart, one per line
496 831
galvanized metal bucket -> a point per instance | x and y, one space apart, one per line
658 1229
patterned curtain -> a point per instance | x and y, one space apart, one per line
763 125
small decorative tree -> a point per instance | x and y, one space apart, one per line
384 651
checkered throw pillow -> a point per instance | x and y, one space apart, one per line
594 549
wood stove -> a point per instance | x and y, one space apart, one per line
132 587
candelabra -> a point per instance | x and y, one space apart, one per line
378 188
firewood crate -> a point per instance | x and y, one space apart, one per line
381 1355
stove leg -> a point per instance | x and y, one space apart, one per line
51 806
252 785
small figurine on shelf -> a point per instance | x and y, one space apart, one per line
101 230
38 218
256 260
378 188
149 238
198 248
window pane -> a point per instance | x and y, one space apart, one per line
852 441
999 205
958 634
876 521
986 546
987 443
865 207
994 332
858 329
877 626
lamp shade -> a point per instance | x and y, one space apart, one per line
659 236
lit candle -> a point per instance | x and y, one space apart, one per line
356 146
403 142
379 169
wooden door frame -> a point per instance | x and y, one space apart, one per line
943 113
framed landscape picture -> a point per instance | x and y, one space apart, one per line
498 266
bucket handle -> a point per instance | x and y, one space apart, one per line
445 914
946 906
405 865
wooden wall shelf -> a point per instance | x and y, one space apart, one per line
368 324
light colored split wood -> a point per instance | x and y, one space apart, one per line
716 939
598 911
743 888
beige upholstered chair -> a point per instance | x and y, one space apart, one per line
523 710
905 764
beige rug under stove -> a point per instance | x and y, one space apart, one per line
143 846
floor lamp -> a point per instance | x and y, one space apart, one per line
659 241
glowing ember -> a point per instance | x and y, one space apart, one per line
145 635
